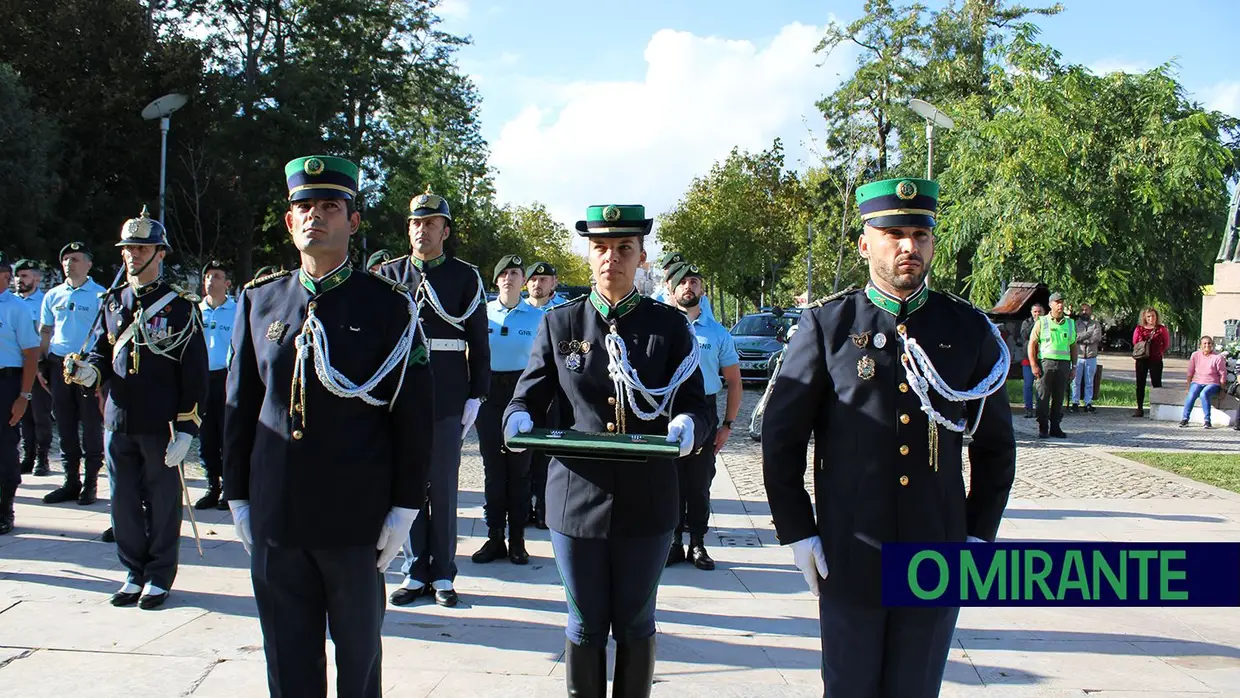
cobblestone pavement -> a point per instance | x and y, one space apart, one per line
1070 468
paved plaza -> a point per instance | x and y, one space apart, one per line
747 629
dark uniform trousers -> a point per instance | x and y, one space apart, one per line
303 592
539 460
211 434
507 473
432 538
10 465
146 506
889 652
696 472
611 585
74 407
1052 387
36 424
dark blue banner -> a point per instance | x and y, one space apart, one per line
1061 574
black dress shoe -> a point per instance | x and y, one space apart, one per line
446 598
1058 433
517 554
108 536
124 598
210 500
149 602
675 554
223 505
700 558
404 597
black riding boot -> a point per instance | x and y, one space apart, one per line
634 669
586 670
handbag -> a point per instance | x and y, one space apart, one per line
1141 350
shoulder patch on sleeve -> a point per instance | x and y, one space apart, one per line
267 279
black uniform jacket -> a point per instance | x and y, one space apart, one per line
459 375
872 473
601 499
146 395
328 481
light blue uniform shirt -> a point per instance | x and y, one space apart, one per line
34 303
717 350
72 311
556 299
16 331
511 334
217 325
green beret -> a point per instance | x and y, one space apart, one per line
892 203
669 259
539 269
75 247
679 272
321 177
378 258
214 264
510 261
26 264
615 221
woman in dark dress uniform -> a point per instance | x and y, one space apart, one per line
611 522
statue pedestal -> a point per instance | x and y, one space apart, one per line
1223 302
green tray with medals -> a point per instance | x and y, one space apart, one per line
600 446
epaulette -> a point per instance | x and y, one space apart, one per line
184 293
965 302
254 283
394 261
834 296
565 304
396 285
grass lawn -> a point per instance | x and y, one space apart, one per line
1113 393
1218 469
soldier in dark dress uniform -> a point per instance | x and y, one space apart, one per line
151 360
451 297
611 522
866 373
328 387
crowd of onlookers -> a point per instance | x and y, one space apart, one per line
1208 374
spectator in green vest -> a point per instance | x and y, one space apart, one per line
1052 355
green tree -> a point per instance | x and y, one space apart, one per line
27 144
740 223
1108 188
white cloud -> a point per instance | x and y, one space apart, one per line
1223 96
643 141
1119 65
457 10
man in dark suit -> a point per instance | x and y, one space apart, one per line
883 472
611 522
326 393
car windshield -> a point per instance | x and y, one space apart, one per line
762 325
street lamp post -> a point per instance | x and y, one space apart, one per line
933 118
162 109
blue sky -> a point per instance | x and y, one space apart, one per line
591 101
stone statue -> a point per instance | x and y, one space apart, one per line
1230 250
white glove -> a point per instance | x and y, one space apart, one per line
469 415
178 448
81 372
393 534
680 430
808 556
975 539
241 521
518 423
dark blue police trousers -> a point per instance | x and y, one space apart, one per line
611 585
302 593
146 506
872 652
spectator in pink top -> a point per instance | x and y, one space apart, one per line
1156 339
1206 373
